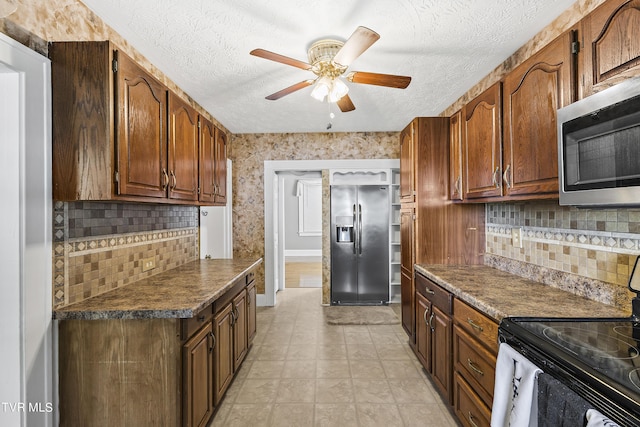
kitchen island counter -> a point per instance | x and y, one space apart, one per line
177 293
500 294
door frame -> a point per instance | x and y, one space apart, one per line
28 333
273 251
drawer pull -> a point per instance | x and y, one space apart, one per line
201 318
471 418
429 291
475 367
474 325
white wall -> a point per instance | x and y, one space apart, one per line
26 382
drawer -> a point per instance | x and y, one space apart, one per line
469 409
438 296
192 325
250 277
475 363
478 325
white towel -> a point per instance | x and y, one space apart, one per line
596 419
515 395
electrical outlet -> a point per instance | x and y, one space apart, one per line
516 237
148 264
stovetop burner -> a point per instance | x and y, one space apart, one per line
607 346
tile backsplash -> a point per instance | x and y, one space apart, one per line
98 247
599 245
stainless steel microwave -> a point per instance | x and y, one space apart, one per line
599 148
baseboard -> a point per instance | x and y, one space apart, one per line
261 300
303 253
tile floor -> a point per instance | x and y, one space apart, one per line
303 372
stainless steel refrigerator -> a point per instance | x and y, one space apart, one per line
359 244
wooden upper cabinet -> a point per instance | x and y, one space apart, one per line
141 131
118 133
213 164
220 180
455 157
207 160
532 93
407 158
610 45
481 130
183 150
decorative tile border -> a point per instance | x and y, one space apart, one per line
84 246
626 243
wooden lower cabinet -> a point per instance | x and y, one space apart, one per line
470 410
475 349
433 333
197 357
154 372
223 352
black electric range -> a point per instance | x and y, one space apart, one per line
597 358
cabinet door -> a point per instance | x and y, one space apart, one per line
221 168
207 161
141 131
239 329
532 94
611 46
482 142
197 359
455 159
183 150
441 351
406 269
407 178
423 331
223 351
251 312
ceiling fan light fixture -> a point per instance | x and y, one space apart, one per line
321 89
331 88
338 90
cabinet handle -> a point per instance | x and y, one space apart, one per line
201 318
213 342
165 178
175 181
496 172
429 291
233 318
458 186
474 325
475 367
506 176
470 417
424 316
431 322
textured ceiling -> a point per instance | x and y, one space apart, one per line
446 46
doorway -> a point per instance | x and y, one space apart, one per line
274 248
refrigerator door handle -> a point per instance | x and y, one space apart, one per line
360 229
355 224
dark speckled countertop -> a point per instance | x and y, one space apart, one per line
178 293
500 294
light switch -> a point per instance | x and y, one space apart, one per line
516 237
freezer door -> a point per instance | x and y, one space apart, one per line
344 278
373 242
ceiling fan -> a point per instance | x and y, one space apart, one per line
329 60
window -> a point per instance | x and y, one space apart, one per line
309 207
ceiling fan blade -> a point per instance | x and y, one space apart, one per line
361 39
290 89
280 58
388 80
345 104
